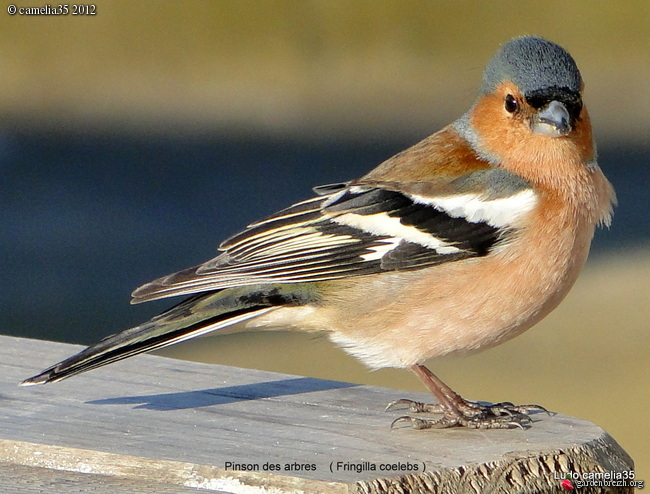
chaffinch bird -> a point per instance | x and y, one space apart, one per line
456 244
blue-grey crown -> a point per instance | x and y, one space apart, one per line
533 64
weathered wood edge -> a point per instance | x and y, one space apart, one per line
164 471
533 473
530 474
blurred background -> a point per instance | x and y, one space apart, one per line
133 141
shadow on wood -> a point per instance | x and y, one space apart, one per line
225 395
142 423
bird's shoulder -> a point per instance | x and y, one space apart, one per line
435 159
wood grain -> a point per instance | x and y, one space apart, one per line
154 419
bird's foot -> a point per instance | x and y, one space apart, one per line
468 414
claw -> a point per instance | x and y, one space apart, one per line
414 406
420 424
517 424
394 405
399 420
470 414
456 411
523 409
528 408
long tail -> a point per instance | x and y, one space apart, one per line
195 316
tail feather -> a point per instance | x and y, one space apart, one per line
195 316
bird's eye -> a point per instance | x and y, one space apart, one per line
511 104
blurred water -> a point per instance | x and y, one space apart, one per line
87 217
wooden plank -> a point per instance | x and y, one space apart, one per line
21 479
189 424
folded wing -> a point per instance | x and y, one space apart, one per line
360 229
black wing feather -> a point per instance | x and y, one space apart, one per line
309 241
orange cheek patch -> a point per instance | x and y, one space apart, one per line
499 133
583 137
510 140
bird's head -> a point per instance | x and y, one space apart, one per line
538 84
530 105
